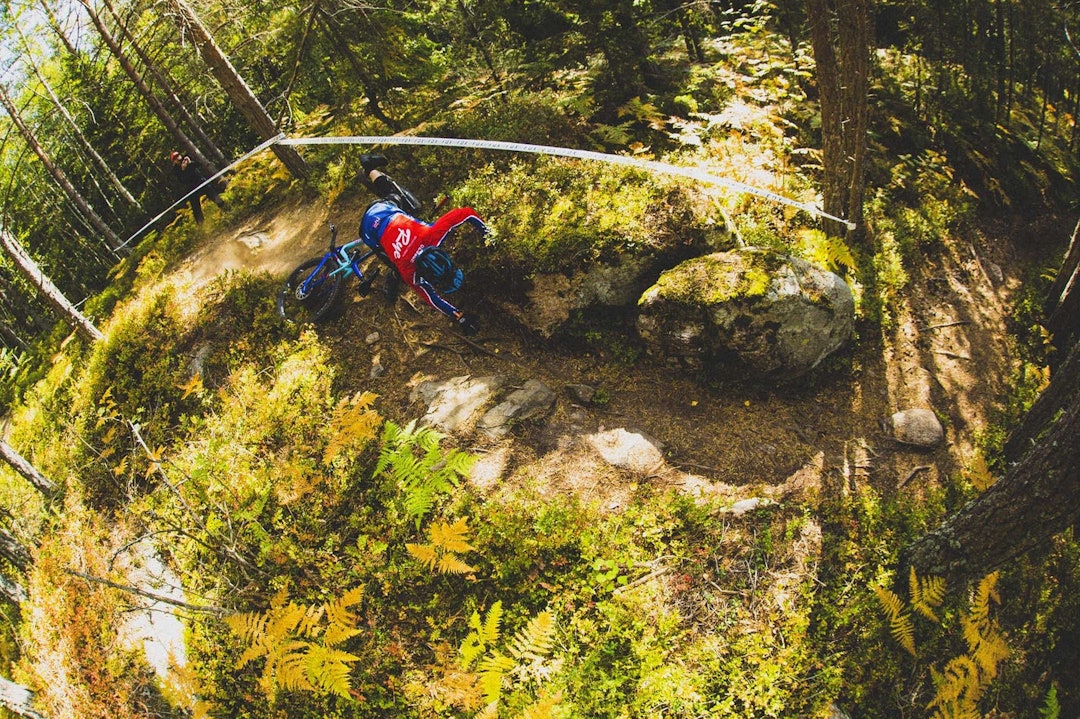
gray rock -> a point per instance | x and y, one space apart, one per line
453 403
747 505
917 427
532 400
629 450
751 313
581 393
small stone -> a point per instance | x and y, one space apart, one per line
372 338
917 427
581 393
629 450
747 505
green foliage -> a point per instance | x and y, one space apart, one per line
411 458
559 215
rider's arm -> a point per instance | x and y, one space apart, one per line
452 219
425 290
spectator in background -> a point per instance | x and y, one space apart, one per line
189 177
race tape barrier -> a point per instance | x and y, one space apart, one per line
640 163
650 165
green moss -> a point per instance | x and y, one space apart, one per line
719 277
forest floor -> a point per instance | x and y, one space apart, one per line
950 350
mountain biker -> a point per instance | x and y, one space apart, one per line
412 246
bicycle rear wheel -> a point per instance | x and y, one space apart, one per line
310 292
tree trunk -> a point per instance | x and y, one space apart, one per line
12 591
13 550
144 89
361 72
54 23
99 161
29 315
474 31
236 88
1062 307
111 238
33 273
842 57
166 87
18 699
1038 497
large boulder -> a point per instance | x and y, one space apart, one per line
749 313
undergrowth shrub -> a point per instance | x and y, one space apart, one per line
73 656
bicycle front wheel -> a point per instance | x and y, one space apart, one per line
310 292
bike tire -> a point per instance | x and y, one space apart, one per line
323 291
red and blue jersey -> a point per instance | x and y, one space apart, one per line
384 226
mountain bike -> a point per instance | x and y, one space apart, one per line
313 288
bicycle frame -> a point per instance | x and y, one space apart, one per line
347 262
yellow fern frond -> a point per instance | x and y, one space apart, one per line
285 620
451 537
535 640
353 424
978 473
926 594
956 687
903 631
280 598
984 594
450 564
992 650
544 708
491 711
337 610
493 623
310 624
338 634
492 671
497 661
462 689
328 669
424 553
290 672
193 386
246 625
485 632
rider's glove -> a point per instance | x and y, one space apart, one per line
468 324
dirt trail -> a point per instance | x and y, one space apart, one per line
949 351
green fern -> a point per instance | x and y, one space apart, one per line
1051 709
411 456
829 252
528 648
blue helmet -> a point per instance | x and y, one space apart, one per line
435 266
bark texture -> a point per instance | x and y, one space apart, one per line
236 88
1037 498
68 312
840 34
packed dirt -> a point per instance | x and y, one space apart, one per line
949 351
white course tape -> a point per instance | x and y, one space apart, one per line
182 200
651 165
